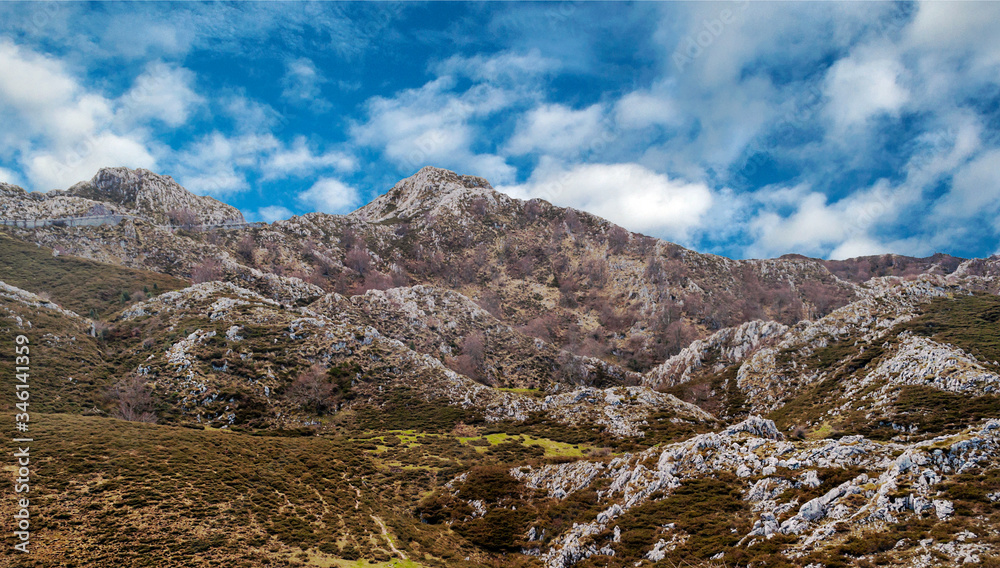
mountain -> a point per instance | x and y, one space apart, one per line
452 377
158 199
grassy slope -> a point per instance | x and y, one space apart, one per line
108 492
76 284
969 322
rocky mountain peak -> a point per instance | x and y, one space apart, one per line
151 195
431 191
9 190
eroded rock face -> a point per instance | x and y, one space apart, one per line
726 347
153 196
430 192
118 191
772 472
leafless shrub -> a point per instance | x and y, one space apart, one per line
618 239
463 430
312 390
799 433
596 271
375 280
570 369
349 239
470 361
532 209
572 220
246 248
479 206
358 259
133 400
399 277
543 327
490 301
183 217
208 270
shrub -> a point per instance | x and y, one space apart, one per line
208 270
312 389
183 217
358 259
132 400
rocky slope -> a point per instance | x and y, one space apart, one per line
529 384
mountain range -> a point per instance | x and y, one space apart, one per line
449 376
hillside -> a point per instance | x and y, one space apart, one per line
452 377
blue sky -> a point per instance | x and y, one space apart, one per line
740 128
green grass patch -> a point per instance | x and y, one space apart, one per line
969 322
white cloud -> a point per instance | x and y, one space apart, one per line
299 160
860 88
330 195
557 130
215 164
59 170
627 194
639 109
301 84
273 213
503 67
975 189
10 176
434 126
64 133
162 92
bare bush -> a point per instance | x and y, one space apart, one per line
543 327
350 239
312 390
473 356
246 248
358 259
618 239
208 270
572 220
532 209
490 301
183 217
479 206
133 400
463 430
596 271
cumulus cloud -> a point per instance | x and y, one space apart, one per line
627 194
330 195
860 88
9 176
299 160
640 109
506 67
273 213
301 84
163 92
433 125
556 129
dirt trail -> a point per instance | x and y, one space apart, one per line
385 533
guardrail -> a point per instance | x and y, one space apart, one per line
84 221
97 220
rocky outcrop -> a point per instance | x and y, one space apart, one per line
431 192
773 473
153 196
721 349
